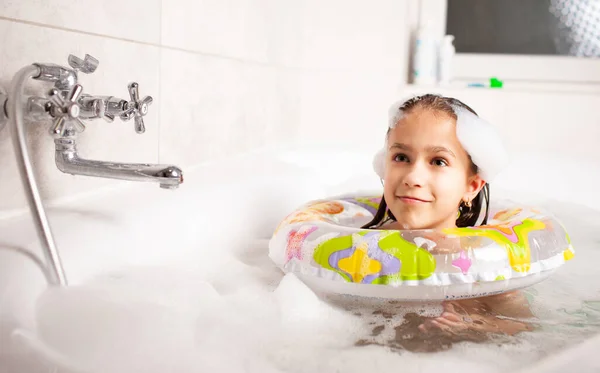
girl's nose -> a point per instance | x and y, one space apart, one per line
416 175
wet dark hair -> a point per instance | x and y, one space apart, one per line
469 215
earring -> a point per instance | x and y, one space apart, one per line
468 204
458 215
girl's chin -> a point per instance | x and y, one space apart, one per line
407 226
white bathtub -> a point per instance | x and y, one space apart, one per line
180 280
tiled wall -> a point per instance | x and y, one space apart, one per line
355 60
232 75
226 76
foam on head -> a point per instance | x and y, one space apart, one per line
483 143
395 115
479 138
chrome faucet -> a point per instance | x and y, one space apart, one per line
68 105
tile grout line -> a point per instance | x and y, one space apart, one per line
157 45
299 69
66 29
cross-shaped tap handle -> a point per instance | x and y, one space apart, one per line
136 108
67 111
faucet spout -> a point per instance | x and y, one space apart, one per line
68 161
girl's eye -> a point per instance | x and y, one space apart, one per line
440 162
400 158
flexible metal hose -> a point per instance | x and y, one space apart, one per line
17 130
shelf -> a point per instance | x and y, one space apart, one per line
509 87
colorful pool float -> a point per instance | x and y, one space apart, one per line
322 243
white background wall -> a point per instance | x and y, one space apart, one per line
226 76
230 76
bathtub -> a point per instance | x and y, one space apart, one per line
179 280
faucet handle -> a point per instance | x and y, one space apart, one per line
66 111
136 108
88 65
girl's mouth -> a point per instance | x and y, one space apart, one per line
412 200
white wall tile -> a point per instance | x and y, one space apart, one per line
355 34
271 105
202 102
132 19
287 107
258 105
233 28
285 32
564 123
346 107
214 107
120 63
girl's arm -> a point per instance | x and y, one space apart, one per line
481 314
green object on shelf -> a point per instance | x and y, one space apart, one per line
496 83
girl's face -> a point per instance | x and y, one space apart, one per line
427 171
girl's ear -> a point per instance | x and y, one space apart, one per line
474 186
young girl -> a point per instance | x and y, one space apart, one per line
435 167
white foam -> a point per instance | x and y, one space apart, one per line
395 114
297 302
483 143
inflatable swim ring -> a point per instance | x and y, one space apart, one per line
322 243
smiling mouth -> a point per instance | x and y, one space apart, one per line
407 199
